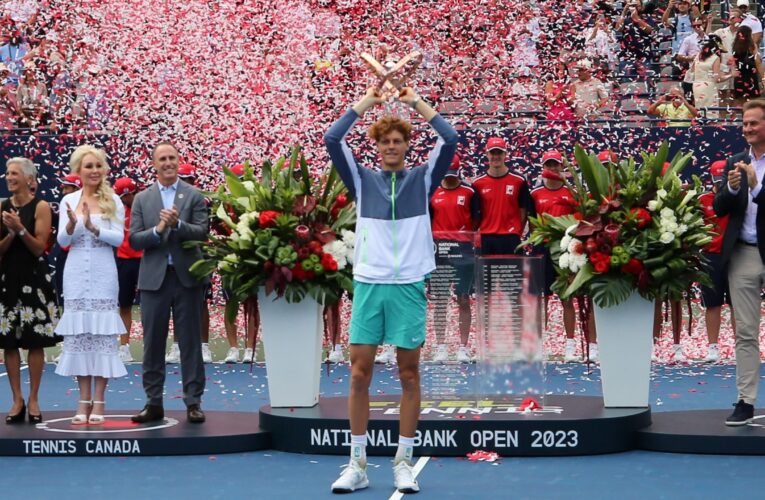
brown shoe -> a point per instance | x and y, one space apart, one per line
194 414
150 413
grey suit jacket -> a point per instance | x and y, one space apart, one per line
144 216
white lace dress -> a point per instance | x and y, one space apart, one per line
91 323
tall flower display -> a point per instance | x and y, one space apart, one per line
636 227
281 228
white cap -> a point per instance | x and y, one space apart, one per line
739 3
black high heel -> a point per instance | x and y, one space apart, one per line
35 419
17 418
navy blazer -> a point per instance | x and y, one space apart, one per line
735 206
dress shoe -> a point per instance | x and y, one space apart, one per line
194 414
35 419
150 413
18 417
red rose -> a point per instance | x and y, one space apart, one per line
328 263
341 201
268 218
634 266
303 253
578 215
316 247
601 266
591 245
642 216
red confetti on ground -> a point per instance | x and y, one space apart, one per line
529 405
483 456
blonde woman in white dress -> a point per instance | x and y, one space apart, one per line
92 225
706 75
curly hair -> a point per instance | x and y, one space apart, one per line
388 124
104 191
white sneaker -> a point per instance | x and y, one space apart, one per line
174 356
206 354
232 356
570 354
387 356
463 355
403 478
442 354
678 355
247 358
353 478
594 352
336 355
713 354
125 355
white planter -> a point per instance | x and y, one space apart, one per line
292 338
624 340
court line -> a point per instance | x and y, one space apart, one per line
421 463
5 374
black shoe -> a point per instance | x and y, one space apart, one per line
150 413
17 418
743 413
35 419
194 414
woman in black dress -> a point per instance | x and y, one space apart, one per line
746 57
28 312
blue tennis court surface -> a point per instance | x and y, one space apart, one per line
271 474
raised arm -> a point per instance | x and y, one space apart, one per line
338 149
441 156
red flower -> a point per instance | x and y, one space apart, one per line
634 266
578 215
642 216
341 201
600 261
602 266
268 218
316 247
328 263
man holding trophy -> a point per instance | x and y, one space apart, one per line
394 252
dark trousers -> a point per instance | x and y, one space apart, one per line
156 307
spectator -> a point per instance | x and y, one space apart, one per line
706 75
750 20
600 44
12 55
8 108
677 17
637 29
687 53
32 98
673 106
558 94
727 35
748 67
588 94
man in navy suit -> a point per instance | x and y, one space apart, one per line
744 249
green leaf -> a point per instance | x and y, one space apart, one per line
232 310
234 185
584 275
609 290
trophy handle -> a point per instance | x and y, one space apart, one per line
404 69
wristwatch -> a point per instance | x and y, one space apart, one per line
22 232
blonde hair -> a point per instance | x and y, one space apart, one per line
104 191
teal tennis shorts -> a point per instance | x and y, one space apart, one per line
389 314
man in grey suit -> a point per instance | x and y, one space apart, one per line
164 216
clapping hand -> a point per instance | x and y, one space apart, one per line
739 169
86 217
12 221
168 217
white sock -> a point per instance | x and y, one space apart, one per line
571 343
205 343
405 450
359 449
712 345
338 348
